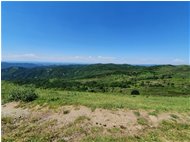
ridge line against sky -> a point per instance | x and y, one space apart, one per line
96 32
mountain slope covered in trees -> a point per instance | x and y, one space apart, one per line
150 80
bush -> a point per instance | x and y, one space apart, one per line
23 94
135 92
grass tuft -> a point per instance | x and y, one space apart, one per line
137 113
142 121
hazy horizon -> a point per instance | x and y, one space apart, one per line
96 32
79 63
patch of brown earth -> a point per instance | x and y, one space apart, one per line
125 120
10 109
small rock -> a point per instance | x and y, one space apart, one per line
122 127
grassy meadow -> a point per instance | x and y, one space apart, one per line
55 98
160 111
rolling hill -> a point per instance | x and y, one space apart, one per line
153 80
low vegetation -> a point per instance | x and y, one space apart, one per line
55 98
167 131
80 130
22 94
155 90
142 121
135 92
163 80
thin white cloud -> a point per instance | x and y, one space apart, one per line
29 55
34 57
106 58
92 59
17 56
178 61
88 59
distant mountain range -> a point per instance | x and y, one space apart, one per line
5 65
167 79
73 71
24 65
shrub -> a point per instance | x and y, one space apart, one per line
135 92
23 94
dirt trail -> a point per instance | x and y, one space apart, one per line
123 119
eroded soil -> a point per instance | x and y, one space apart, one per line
126 122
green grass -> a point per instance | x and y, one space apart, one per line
157 95
55 98
7 120
154 113
112 101
81 119
164 80
167 131
174 116
28 130
137 113
114 130
142 121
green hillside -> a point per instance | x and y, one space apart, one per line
166 80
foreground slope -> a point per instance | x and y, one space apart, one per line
94 103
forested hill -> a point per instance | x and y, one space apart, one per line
88 71
68 71
5 65
103 77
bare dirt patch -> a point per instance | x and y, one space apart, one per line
11 109
124 121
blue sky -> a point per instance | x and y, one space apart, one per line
96 32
